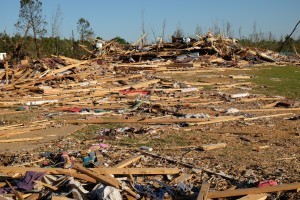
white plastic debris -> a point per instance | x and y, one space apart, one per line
146 148
101 192
232 110
189 89
239 95
34 103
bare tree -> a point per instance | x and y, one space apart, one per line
163 29
55 29
31 21
144 39
288 36
154 35
198 30
229 30
240 32
254 34
178 33
270 36
216 28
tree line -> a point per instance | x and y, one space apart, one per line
31 40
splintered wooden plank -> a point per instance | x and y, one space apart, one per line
203 191
128 161
67 68
241 192
213 146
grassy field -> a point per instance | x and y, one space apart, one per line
277 80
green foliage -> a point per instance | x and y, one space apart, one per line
120 40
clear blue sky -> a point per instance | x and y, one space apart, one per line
123 18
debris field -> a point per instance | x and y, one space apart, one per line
173 120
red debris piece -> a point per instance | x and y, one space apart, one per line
267 183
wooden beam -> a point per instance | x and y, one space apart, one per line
241 192
107 180
135 43
203 191
54 72
136 171
115 171
128 161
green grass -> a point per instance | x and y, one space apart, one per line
277 80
